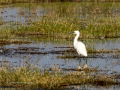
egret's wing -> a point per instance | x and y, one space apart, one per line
81 49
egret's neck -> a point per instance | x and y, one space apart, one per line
76 38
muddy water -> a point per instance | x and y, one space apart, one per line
44 56
88 87
17 14
47 54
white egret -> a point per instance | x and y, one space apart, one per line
79 46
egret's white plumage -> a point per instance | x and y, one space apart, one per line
79 46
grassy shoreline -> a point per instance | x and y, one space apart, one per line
35 78
67 17
58 29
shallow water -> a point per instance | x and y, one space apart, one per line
77 87
21 14
88 87
18 54
106 61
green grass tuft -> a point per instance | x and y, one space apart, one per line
35 77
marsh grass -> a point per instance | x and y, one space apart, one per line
34 77
59 29
67 17
91 19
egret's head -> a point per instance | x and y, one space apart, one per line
76 32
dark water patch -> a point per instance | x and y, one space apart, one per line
6 42
4 61
86 70
72 51
75 56
64 47
29 48
38 34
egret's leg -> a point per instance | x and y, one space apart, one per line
79 61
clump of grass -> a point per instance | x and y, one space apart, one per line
59 29
35 77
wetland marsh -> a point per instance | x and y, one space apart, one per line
38 51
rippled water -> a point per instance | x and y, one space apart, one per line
109 61
11 14
105 61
